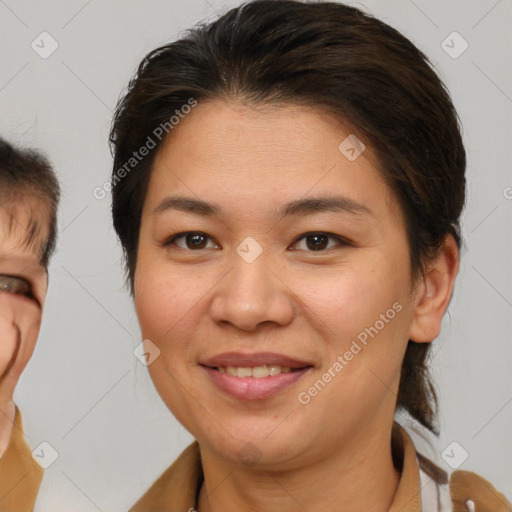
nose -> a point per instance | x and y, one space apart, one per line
251 295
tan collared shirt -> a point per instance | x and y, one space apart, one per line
177 489
20 474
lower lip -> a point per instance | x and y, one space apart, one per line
252 388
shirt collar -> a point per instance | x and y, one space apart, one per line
408 494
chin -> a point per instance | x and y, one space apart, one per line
262 447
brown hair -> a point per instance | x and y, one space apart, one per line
327 56
26 174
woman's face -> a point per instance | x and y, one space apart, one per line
247 289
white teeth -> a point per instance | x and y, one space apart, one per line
258 372
244 372
274 370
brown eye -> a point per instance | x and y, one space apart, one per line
194 240
15 284
319 241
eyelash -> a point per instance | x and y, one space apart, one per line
343 242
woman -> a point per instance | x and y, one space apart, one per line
29 197
287 187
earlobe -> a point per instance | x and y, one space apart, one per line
433 294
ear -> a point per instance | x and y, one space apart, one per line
433 293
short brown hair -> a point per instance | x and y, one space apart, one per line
327 56
26 174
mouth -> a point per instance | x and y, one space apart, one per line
254 376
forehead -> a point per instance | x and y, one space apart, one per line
24 228
276 154
279 133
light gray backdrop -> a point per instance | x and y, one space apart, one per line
84 392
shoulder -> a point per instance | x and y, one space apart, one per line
20 475
177 487
467 491
467 487
460 491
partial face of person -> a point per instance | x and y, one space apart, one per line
273 284
23 283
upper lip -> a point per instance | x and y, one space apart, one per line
251 360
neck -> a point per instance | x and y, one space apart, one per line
358 477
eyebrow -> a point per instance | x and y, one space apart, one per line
302 207
32 238
25 261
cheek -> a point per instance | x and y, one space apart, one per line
366 311
27 316
166 300
348 300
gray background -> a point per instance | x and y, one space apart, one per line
84 392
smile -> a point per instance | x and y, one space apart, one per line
254 376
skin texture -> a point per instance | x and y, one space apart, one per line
333 453
20 316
